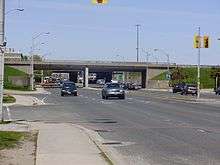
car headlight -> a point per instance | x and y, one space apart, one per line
121 91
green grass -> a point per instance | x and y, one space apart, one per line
5 122
9 71
161 76
8 99
206 80
10 139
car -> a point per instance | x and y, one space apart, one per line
133 86
69 88
100 81
178 87
190 89
217 91
113 90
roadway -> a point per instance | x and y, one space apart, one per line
151 127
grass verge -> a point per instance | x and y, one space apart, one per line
8 99
5 122
10 139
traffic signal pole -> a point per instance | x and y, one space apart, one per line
199 53
2 35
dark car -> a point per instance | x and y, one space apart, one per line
69 88
132 86
190 89
113 90
217 91
178 87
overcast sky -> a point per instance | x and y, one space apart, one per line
82 31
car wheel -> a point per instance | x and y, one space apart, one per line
122 97
62 94
75 94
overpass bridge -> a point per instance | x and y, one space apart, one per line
107 67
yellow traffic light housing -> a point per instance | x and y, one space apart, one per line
197 41
99 1
206 41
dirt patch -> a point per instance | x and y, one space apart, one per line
23 154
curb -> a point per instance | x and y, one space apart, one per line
109 152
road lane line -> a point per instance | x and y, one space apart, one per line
9 113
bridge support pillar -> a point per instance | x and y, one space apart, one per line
144 77
86 77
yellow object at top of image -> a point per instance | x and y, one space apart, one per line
99 1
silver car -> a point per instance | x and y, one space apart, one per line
113 90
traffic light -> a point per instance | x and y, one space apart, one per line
99 1
197 41
206 41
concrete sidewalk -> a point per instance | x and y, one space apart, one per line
16 92
65 144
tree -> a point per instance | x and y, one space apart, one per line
178 75
215 73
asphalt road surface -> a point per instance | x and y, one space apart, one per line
149 130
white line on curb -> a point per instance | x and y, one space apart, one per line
9 113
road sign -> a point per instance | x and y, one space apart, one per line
168 76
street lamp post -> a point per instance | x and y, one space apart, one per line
168 59
138 41
2 47
18 9
32 57
168 62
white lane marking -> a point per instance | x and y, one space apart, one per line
9 113
43 100
201 130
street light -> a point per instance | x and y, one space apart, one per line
32 56
168 58
168 61
18 9
2 49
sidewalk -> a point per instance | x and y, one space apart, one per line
16 92
65 144
25 101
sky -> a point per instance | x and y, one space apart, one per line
80 30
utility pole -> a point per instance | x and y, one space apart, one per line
199 52
2 46
138 42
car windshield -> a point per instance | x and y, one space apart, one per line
113 86
69 86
